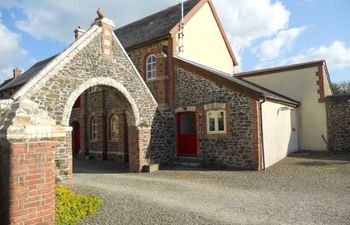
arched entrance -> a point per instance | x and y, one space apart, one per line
36 137
101 123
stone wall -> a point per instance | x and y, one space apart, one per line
87 64
236 148
338 121
163 138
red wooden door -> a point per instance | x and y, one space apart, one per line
186 134
76 138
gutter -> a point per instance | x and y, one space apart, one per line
262 132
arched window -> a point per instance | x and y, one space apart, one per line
114 127
151 67
93 129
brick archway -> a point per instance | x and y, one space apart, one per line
35 137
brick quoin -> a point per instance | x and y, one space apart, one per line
256 155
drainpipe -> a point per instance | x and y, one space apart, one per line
262 133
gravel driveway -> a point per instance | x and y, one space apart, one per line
302 189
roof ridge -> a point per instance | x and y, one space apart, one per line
153 14
281 67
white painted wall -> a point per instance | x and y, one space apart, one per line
280 131
301 85
203 42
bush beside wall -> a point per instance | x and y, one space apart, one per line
71 208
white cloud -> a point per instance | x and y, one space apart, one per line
246 21
11 51
282 41
337 56
57 19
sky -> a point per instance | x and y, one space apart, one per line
263 33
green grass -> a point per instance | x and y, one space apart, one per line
71 208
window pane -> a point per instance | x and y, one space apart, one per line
211 124
151 67
187 124
221 124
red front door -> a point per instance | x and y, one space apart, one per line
186 134
76 138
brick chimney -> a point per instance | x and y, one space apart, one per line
78 32
107 26
17 72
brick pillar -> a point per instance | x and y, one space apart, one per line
100 136
32 182
121 136
161 83
255 117
29 143
139 144
106 37
134 149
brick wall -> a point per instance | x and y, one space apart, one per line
32 182
338 123
159 86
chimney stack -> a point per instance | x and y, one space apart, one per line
107 26
78 32
17 72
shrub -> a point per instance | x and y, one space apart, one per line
71 208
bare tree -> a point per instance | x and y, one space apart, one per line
341 88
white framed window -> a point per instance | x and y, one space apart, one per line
216 122
93 128
114 127
151 67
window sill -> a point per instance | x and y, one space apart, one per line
216 135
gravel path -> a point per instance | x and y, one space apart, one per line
302 189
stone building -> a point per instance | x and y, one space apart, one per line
159 89
204 109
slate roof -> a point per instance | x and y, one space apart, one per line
152 27
26 76
257 88
146 29
6 82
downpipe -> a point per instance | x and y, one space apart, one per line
262 133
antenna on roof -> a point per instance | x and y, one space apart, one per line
182 26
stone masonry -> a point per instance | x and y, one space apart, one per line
35 137
338 119
235 148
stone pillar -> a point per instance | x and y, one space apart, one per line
64 158
29 139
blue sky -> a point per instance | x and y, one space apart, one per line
263 33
